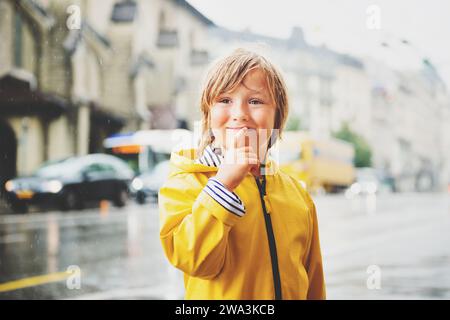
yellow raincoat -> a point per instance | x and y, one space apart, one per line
224 256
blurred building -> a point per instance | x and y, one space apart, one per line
409 127
125 65
50 85
402 115
74 72
160 50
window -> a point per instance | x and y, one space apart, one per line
100 167
18 40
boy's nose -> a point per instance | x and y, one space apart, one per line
239 111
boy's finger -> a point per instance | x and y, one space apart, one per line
247 137
248 157
246 149
253 160
239 138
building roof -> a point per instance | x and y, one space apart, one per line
246 36
296 41
185 4
126 11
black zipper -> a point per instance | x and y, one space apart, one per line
271 238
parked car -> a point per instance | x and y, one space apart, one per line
147 185
70 183
370 181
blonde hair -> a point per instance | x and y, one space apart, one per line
226 74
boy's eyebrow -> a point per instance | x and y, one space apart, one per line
253 91
261 91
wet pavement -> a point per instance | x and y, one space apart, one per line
117 253
393 247
390 247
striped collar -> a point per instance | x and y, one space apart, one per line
211 157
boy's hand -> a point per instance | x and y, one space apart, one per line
239 159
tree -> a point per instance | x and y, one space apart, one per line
293 123
363 153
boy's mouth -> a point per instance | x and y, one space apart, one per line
239 128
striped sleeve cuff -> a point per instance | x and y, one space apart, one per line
227 199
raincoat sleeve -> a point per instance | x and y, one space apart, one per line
314 266
194 228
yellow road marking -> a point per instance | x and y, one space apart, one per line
34 281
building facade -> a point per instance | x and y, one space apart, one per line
74 72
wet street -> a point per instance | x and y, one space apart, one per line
392 247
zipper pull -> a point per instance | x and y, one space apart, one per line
267 203
262 181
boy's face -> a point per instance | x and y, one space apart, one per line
248 105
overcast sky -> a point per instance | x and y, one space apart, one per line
342 25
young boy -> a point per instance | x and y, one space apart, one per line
237 226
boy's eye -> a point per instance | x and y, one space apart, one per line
224 100
255 101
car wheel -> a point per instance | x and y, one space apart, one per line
70 201
141 198
121 198
19 208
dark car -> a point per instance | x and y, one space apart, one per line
71 182
147 185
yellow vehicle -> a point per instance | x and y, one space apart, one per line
321 164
